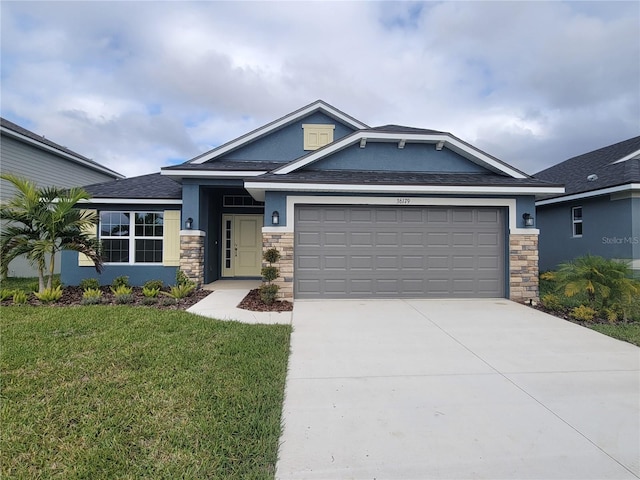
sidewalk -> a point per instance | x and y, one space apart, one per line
227 294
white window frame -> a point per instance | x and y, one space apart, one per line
132 237
576 221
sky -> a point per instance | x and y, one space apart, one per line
137 86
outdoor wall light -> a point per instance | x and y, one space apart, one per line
189 223
528 219
275 218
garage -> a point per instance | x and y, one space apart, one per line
399 251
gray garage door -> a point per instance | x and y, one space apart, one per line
361 252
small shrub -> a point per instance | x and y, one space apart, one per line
169 301
149 300
91 296
583 313
19 297
89 283
180 291
153 284
123 294
269 273
272 255
552 302
269 293
49 295
181 278
6 294
122 280
610 314
150 292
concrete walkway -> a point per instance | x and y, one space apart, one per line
433 389
227 294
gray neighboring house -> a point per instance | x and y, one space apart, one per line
356 211
599 213
38 159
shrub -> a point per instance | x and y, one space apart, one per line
269 273
272 255
122 280
180 291
89 283
610 314
154 284
91 296
122 294
583 313
6 294
149 300
19 297
552 302
269 293
169 301
182 279
49 295
150 292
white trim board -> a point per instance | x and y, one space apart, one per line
133 201
592 193
454 144
212 173
509 203
270 127
257 189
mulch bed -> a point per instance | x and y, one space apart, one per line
72 296
254 303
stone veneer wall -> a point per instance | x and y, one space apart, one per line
523 267
283 242
192 255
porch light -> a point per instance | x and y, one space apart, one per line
275 218
189 223
528 219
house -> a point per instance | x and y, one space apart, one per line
599 213
45 163
355 212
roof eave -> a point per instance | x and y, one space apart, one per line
589 194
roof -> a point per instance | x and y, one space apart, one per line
16 131
611 166
152 186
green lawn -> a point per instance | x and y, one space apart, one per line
629 332
124 392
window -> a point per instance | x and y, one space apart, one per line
576 219
240 201
131 237
317 135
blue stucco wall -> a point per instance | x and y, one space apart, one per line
607 231
285 144
386 157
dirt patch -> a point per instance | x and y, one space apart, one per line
254 303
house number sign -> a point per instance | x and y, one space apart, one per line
403 201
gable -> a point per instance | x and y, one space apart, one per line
286 143
387 157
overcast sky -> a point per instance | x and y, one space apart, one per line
140 85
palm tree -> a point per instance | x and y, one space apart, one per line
39 222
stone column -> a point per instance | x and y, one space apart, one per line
192 255
523 267
283 242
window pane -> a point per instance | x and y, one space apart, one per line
577 229
149 224
114 224
148 251
577 213
115 250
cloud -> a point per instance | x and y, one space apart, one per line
137 85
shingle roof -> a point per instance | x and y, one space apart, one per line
398 178
228 165
144 187
574 172
4 123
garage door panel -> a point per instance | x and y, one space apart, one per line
367 251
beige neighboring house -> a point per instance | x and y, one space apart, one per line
26 154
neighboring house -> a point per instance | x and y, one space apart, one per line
599 213
45 163
355 212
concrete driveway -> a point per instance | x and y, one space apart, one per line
429 389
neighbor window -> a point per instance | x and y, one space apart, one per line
131 237
576 219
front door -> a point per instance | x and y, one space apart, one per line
242 245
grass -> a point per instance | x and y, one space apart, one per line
125 392
629 332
